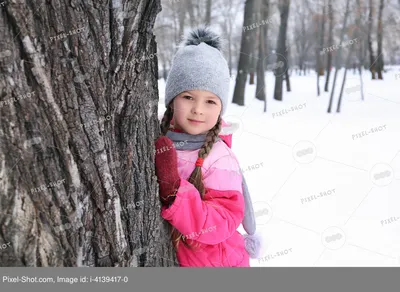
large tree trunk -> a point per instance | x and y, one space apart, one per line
77 174
370 49
246 47
330 41
379 64
338 55
281 48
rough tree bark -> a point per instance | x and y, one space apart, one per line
281 48
246 47
76 175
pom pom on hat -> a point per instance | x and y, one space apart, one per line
203 35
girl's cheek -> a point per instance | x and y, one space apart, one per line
181 112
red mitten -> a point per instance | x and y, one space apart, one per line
166 169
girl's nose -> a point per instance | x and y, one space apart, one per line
197 109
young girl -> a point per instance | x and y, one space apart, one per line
202 190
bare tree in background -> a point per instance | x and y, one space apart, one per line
181 17
165 32
175 23
330 41
246 47
229 10
379 63
338 56
260 88
320 33
78 188
254 53
347 64
287 76
208 12
302 36
370 49
360 36
284 6
190 10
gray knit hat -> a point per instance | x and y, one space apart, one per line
199 64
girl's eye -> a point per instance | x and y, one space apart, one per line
188 97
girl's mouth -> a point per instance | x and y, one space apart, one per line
195 122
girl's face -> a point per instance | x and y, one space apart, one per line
197 105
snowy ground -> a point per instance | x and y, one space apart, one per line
325 187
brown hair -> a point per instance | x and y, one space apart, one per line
196 177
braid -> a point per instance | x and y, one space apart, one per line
166 120
196 177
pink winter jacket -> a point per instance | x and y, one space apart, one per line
210 225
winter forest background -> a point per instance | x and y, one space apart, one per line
315 112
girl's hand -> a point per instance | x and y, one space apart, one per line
166 169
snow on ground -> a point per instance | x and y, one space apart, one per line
325 187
